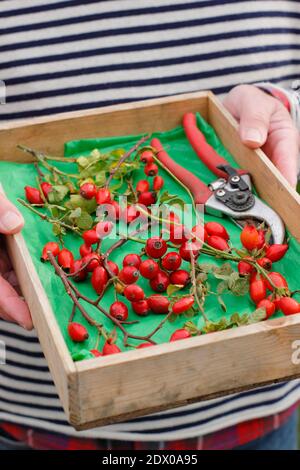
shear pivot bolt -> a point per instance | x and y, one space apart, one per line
221 193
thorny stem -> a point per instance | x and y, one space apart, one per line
49 219
123 158
76 295
194 283
180 183
43 155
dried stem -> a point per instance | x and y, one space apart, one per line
194 284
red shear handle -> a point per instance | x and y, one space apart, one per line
199 190
205 152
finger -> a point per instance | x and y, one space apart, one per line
283 149
12 307
11 221
253 109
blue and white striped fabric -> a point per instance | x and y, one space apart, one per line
59 56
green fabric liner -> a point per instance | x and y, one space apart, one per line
15 176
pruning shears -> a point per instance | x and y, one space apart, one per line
231 194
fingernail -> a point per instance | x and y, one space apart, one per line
253 135
10 221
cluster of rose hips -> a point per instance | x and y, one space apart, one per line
265 255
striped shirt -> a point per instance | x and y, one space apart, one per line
65 55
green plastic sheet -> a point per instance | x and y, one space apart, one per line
15 176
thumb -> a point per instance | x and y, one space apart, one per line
253 109
11 221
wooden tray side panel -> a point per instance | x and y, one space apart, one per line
197 369
145 116
269 182
61 366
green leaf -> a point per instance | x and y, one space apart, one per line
84 221
190 313
258 315
172 318
56 229
206 267
58 193
223 285
191 328
88 205
172 288
167 198
222 303
75 213
100 178
82 161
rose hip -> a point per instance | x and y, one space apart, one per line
156 247
265 263
147 199
245 268
99 279
158 183
250 237
188 249
218 243
46 188
149 268
85 250
180 334
104 228
50 246
129 274
33 195
132 259
183 304
160 282
171 261
103 196
81 274
180 277
178 234
147 157
114 268
144 345
258 290
110 348
268 305
215 228
90 237
92 261
158 303
261 239
119 311
276 252
142 186
277 279
151 169
88 190
134 293
96 353
65 259
77 332
141 307
289 306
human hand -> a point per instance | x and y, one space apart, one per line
12 306
265 122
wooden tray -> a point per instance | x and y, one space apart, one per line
139 382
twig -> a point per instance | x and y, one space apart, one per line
194 283
123 158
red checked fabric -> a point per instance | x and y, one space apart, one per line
226 439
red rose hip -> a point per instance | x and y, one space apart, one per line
156 247
77 332
158 303
50 246
149 268
119 311
160 282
